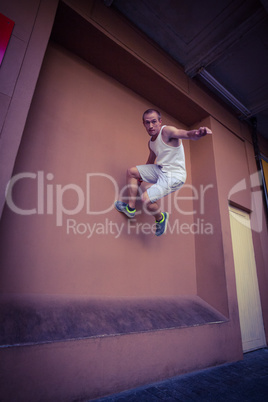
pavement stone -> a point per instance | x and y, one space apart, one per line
243 381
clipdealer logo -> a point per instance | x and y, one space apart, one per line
51 198
132 226
256 201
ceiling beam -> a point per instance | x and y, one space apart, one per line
265 4
221 90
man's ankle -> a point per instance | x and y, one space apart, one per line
130 208
160 217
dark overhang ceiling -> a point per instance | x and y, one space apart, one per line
221 44
101 51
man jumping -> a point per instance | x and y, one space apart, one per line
165 168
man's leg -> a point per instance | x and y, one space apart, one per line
161 218
152 207
133 183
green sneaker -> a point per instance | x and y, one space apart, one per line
161 226
123 207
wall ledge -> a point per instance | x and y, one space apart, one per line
34 320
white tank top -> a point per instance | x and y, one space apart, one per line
170 159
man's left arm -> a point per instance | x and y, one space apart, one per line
194 135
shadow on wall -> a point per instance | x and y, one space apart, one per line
27 321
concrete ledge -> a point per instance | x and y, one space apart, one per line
26 321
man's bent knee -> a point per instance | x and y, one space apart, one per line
133 173
149 206
145 199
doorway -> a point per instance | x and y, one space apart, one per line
250 313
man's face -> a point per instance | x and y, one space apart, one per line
152 123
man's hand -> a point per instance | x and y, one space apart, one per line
201 132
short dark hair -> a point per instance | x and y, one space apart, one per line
151 111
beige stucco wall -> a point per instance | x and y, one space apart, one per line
19 73
86 129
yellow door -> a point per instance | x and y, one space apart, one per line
265 172
250 314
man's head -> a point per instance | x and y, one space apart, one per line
152 121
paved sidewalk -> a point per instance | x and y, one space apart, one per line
246 380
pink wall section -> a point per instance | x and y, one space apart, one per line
238 177
81 122
84 370
208 248
19 73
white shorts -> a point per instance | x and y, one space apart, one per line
164 183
